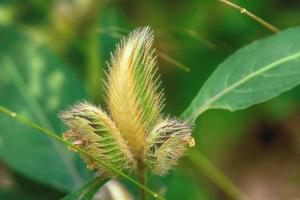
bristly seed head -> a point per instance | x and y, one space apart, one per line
167 143
94 131
134 129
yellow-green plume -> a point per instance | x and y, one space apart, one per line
134 132
133 97
166 144
92 130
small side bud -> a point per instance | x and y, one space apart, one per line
92 130
167 143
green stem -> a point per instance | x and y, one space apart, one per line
143 179
215 175
79 150
251 15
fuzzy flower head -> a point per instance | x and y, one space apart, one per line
133 129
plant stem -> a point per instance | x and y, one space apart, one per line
142 179
78 149
251 15
201 163
172 61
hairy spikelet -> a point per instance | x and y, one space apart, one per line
94 131
133 97
134 133
167 143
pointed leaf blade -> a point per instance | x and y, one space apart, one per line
254 74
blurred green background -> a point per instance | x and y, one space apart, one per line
54 53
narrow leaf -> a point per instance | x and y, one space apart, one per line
254 74
87 191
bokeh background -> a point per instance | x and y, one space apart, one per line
53 53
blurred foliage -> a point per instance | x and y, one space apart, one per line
53 54
36 84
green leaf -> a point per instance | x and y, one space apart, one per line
35 83
87 191
254 74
